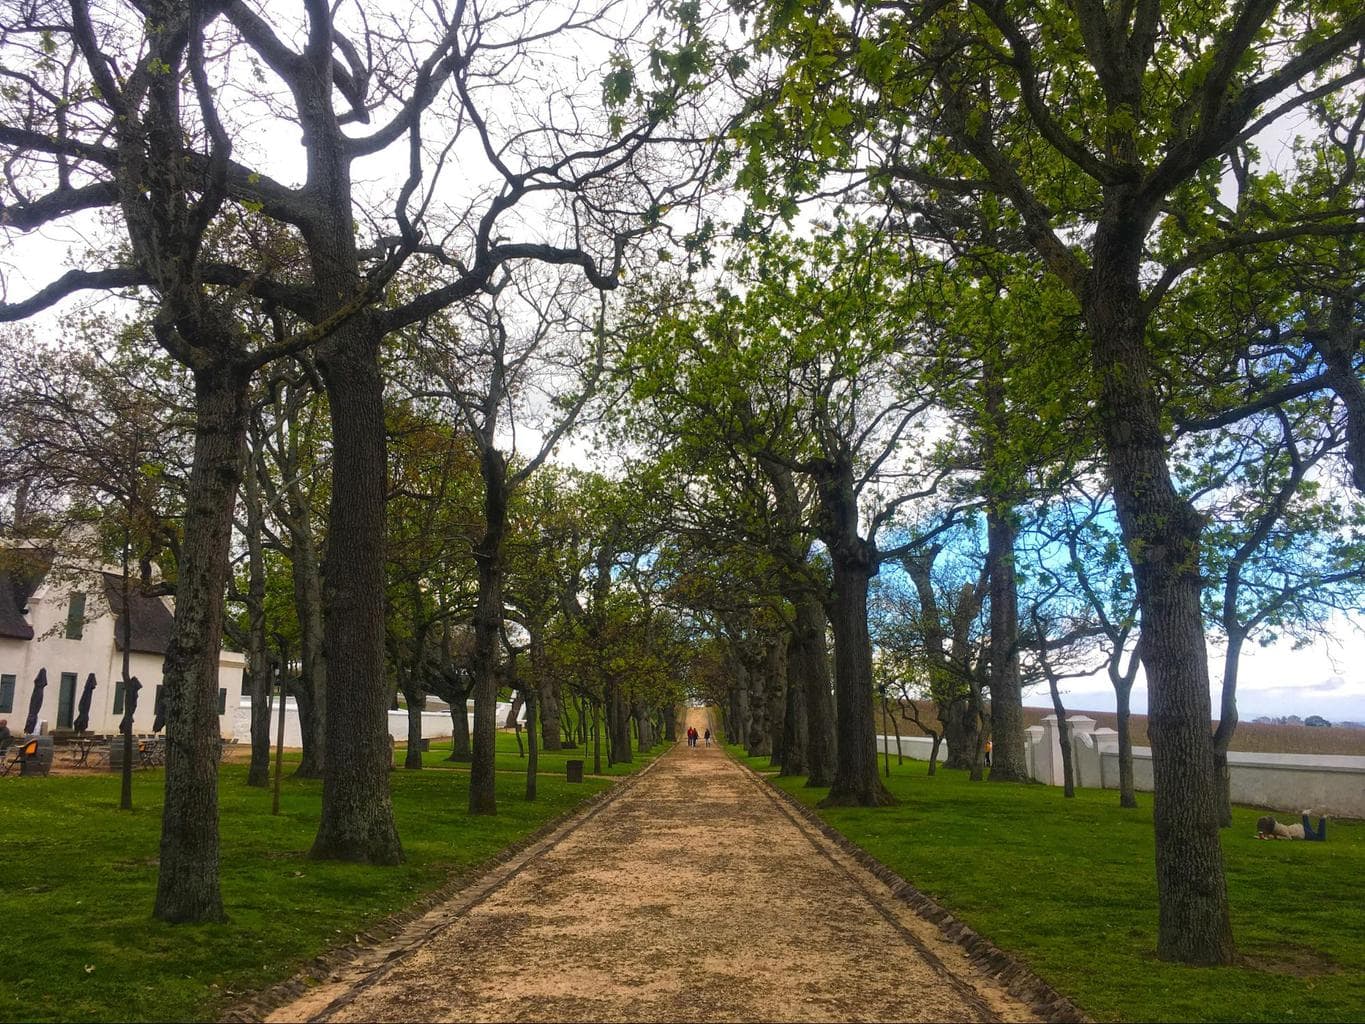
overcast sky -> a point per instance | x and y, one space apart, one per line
1326 679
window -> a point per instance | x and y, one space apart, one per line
118 697
222 701
6 693
75 617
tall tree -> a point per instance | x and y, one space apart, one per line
527 334
106 121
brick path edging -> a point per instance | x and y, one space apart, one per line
1017 977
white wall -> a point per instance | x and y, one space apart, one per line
435 724
917 747
1330 784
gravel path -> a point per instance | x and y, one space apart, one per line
693 895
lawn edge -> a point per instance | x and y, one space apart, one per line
1018 977
258 1005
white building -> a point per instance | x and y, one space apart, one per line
67 617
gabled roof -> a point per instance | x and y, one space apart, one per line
21 571
152 620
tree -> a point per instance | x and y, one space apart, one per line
945 621
1282 550
526 335
433 504
1093 124
1083 579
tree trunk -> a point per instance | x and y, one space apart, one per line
671 726
757 742
533 757
310 726
1338 346
357 821
737 726
978 765
933 752
312 664
1009 761
415 699
795 728
961 731
550 704
618 726
1122 702
258 774
1162 532
514 710
459 727
488 616
1064 738
808 654
776 687
809 661
596 739
257 651
187 888
1227 725
644 729
856 779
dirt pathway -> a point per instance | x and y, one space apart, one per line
694 895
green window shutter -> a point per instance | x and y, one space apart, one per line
118 697
75 617
6 693
222 702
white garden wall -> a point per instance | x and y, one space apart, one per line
1328 784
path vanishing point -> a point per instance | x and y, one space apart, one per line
694 894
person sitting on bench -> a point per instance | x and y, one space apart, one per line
1268 828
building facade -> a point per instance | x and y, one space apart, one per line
68 619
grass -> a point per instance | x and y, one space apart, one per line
548 761
81 875
1069 887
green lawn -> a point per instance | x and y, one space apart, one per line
1069 887
548 761
80 877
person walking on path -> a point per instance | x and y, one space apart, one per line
708 737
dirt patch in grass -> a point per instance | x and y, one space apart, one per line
1294 961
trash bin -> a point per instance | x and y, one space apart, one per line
575 770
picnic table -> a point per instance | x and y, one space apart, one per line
82 746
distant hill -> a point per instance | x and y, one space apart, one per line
1259 737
